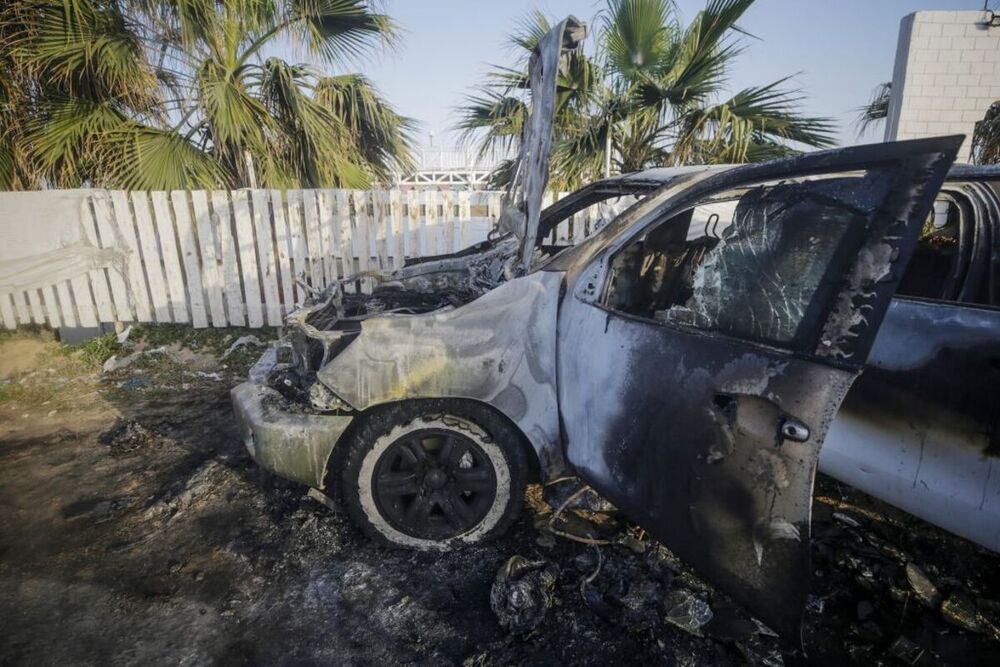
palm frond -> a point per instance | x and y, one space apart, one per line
986 137
528 32
726 132
492 119
65 136
578 155
637 35
87 48
339 30
696 67
147 158
380 136
234 114
877 108
108 87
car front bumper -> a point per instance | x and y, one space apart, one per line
293 446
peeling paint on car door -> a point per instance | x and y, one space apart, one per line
704 424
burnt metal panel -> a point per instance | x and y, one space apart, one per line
682 434
499 349
296 446
523 201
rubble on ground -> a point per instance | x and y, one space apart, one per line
126 436
522 593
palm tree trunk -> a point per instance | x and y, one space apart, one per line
607 152
251 173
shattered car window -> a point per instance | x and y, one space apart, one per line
750 264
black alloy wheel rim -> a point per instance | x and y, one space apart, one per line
434 484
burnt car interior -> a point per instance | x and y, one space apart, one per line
730 265
952 256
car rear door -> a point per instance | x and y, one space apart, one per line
698 371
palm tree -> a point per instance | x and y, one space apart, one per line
986 137
877 108
648 96
159 94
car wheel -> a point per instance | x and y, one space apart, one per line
431 480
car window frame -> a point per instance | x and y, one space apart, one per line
656 218
978 256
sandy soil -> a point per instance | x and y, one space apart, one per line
158 541
19 356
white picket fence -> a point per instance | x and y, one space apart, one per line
235 258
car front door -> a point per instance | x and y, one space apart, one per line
704 350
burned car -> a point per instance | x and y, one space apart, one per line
688 370
688 360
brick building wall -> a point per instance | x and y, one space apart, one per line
947 73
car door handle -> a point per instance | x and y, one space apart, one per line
794 430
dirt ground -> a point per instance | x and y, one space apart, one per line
135 529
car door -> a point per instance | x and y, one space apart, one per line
701 359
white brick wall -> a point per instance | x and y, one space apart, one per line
947 74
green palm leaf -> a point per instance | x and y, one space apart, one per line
147 158
153 94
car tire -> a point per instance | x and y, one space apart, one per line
434 475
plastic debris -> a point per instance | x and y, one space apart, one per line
207 376
906 651
522 593
687 611
846 520
925 589
962 612
115 362
322 499
571 493
242 341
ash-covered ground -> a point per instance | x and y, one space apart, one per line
135 529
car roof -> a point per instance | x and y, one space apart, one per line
660 175
974 171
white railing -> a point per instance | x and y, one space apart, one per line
450 158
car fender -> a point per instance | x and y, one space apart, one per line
498 349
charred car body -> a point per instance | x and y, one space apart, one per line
687 360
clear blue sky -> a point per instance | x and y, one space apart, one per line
839 50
